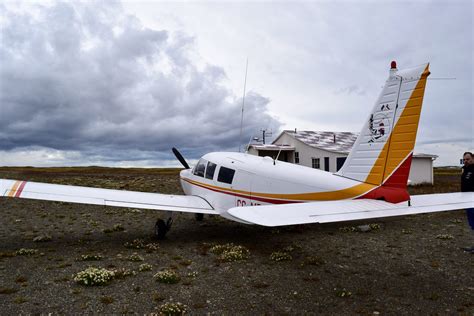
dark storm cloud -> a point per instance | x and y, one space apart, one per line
91 79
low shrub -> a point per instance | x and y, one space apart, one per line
94 276
173 309
135 257
145 267
26 252
230 252
167 277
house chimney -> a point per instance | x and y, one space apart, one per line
295 130
334 137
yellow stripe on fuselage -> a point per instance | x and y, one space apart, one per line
348 193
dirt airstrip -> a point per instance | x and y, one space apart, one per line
401 266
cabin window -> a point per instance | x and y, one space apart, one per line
210 170
297 157
316 163
200 168
226 175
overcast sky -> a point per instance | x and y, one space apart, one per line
119 84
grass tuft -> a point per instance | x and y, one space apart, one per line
444 236
42 238
106 300
280 256
115 228
7 290
90 257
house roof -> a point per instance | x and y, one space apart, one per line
325 140
340 142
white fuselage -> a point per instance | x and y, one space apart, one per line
261 180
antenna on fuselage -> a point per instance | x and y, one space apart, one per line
274 160
243 105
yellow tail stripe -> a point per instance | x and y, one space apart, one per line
403 136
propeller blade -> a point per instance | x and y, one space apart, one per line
180 158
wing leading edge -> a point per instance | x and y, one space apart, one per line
346 210
105 197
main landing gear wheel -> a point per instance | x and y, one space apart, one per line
199 216
162 227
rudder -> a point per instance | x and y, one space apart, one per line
382 153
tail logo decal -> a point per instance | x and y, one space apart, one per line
379 124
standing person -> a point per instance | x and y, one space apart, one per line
467 185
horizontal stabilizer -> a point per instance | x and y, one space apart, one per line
348 210
105 197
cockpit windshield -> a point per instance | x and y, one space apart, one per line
200 168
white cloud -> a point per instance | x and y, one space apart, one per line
88 78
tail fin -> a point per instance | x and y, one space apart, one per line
382 153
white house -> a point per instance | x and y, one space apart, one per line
329 150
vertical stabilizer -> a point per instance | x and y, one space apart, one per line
382 153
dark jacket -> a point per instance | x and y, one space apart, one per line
467 178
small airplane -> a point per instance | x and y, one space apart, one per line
249 189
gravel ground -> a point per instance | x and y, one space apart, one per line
401 266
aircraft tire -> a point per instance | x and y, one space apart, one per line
160 229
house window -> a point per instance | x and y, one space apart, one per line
340 162
326 163
315 163
297 157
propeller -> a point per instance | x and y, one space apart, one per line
180 158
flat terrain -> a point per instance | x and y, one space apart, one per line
402 266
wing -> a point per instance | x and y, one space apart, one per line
106 197
346 210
